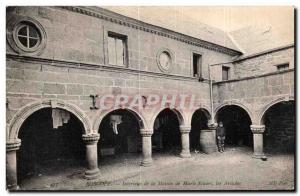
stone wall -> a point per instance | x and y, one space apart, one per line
74 65
255 93
264 64
77 37
255 65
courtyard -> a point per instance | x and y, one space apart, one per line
234 169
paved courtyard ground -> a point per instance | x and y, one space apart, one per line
231 170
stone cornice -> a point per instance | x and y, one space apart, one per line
146 132
142 26
100 67
13 145
257 129
91 138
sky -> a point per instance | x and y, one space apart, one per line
229 18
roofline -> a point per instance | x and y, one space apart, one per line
242 58
117 18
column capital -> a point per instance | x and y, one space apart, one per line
146 132
184 129
91 138
212 125
13 145
258 129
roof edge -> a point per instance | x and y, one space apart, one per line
263 52
114 17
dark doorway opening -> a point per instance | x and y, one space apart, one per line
166 136
45 150
199 122
237 124
279 135
119 134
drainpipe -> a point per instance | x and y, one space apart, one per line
211 90
211 97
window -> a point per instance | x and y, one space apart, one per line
197 65
164 60
117 49
282 67
28 36
225 73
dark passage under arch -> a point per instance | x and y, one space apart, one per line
125 139
199 122
44 149
237 124
166 136
279 135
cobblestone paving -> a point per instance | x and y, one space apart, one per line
231 170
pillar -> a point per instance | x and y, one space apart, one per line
11 164
185 141
91 141
147 147
258 143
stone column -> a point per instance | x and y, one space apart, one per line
147 147
91 141
11 164
258 143
185 141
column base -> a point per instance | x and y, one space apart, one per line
92 174
185 155
259 156
146 162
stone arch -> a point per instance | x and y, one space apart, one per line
139 117
236 103
18 119
181 118
204 109
270 104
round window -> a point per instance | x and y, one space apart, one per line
164 60
28 36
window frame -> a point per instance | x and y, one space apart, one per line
227 68
21 45
199 67
13 27
285 65
124 38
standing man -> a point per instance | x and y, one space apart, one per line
221 137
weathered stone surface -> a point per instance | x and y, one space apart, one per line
74 89
52 88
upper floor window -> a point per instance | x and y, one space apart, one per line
282 67
197 65
225 73
117 49
28 36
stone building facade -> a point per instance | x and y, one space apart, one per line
64 57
